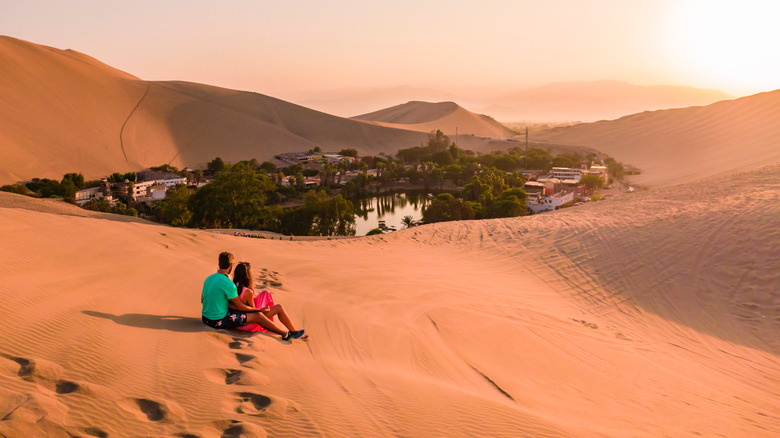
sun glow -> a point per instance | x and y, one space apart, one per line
731 44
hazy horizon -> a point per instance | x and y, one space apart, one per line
283 49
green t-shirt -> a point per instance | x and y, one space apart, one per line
217 291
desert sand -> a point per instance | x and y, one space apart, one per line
685 144
64 111
589 101
449 117
654 314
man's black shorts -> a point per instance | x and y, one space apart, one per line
233 319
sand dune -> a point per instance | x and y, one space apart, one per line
686 144
346 102
589 101
64 111
448 117
654 314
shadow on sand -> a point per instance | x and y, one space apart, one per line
172 323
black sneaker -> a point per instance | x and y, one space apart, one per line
292 334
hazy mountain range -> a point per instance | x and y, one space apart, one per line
556 102
64 111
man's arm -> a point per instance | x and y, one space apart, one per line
239 305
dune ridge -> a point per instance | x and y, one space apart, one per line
590 101
685 144
448 117
64 111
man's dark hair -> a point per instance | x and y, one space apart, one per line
225 259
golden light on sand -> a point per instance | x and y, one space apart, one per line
729 43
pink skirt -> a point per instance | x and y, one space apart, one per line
262 299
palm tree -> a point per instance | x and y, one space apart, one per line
408 221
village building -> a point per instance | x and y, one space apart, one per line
601 171
551 185
310 182
538 204
301 157
530 174
534 187
566 173
574 186
86 195
336 158
144 188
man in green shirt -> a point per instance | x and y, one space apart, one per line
219 292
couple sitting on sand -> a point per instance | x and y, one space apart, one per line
224 308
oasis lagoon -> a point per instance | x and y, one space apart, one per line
390 208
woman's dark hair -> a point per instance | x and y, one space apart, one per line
242 276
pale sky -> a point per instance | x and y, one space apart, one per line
278 47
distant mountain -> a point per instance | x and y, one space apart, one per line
347 102
64 111
591 101
684 144
448 117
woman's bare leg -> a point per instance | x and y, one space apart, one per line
259 318
283 317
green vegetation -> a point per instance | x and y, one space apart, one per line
408 221
235 199
49 188
215 165
15 188
163 168
449 208
319 216
262 196
349 152
243 197
592 182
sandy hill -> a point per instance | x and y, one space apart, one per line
63 111
678 145
358 100
653 314
446 116
594 100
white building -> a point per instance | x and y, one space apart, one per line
566 173
548 203
172 182
143 189
336 158
531 187
140 189
86 195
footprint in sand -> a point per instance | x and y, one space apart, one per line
259 405
94 431
239 343
153 410
244 358
65 387
36 370
167 411
236 429
268 278
26 367
233 342
586 323
250 403
233 376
